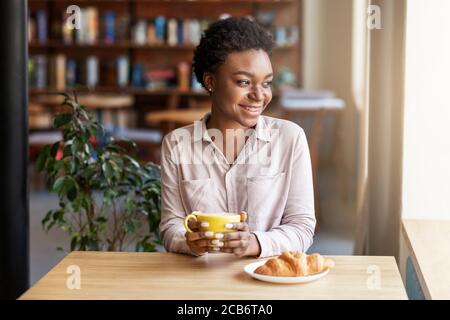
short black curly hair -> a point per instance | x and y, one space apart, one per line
225 36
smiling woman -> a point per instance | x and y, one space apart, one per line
275 197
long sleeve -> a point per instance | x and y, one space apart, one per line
172 212
296 231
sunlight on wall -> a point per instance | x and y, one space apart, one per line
426 158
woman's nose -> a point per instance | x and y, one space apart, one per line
257 94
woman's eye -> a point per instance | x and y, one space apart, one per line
243 82
267 84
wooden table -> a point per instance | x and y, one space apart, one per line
115 275
428 244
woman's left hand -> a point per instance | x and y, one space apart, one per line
242 242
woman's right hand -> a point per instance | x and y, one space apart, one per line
200 242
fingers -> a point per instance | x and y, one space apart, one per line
243 215
201 246
195 225
204 239
236 235
194 236
240 226
236 243
204 243
239 252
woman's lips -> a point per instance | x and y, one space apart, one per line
251 109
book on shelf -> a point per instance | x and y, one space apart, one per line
41 26
140 32
41 71
160 78
60 62
109 25
92 25
59 72
172 30
160 29
71 72
180 32
137 76
183 76
92 72
122 27
185 26
88 33
195 32
31 29
67 33
123 71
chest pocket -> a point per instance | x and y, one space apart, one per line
196 194
266 199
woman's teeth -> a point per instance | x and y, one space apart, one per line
252 109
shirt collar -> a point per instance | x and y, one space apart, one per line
261 129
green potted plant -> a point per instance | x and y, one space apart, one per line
108 200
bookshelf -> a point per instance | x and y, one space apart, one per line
126 47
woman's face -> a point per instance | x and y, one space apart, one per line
242 88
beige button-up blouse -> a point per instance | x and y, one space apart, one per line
271 180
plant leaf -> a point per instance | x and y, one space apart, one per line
59 184
62 119
40 161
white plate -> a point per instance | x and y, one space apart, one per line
250 270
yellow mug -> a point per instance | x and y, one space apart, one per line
216 221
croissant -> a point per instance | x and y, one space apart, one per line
295 264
